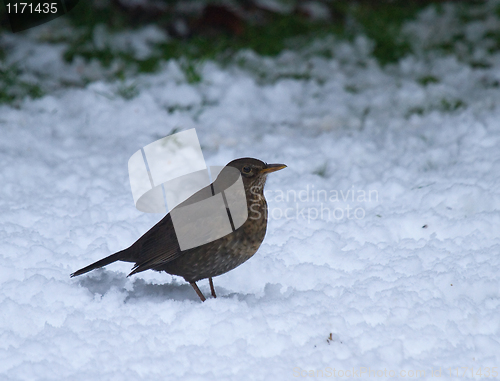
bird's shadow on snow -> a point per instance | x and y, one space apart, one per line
103 281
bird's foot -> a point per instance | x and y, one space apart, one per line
197 291
212 288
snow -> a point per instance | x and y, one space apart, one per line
408 282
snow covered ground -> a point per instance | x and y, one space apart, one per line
383 247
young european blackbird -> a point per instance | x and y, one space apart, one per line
159 248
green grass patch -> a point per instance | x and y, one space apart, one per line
380 21
321 171
452 105
13 88
427 80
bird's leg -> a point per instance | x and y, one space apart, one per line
212 289
197 291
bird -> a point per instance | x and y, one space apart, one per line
159 248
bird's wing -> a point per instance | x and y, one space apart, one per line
158 245
201 219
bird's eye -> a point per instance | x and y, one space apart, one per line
246 169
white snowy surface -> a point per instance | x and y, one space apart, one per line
410 282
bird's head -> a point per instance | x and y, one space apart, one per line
253 171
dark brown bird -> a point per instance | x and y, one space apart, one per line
159 248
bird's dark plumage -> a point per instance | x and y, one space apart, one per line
158 249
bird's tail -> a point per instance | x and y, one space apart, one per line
103 262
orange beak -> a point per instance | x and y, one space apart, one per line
272 168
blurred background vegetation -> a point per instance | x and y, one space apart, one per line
197 31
